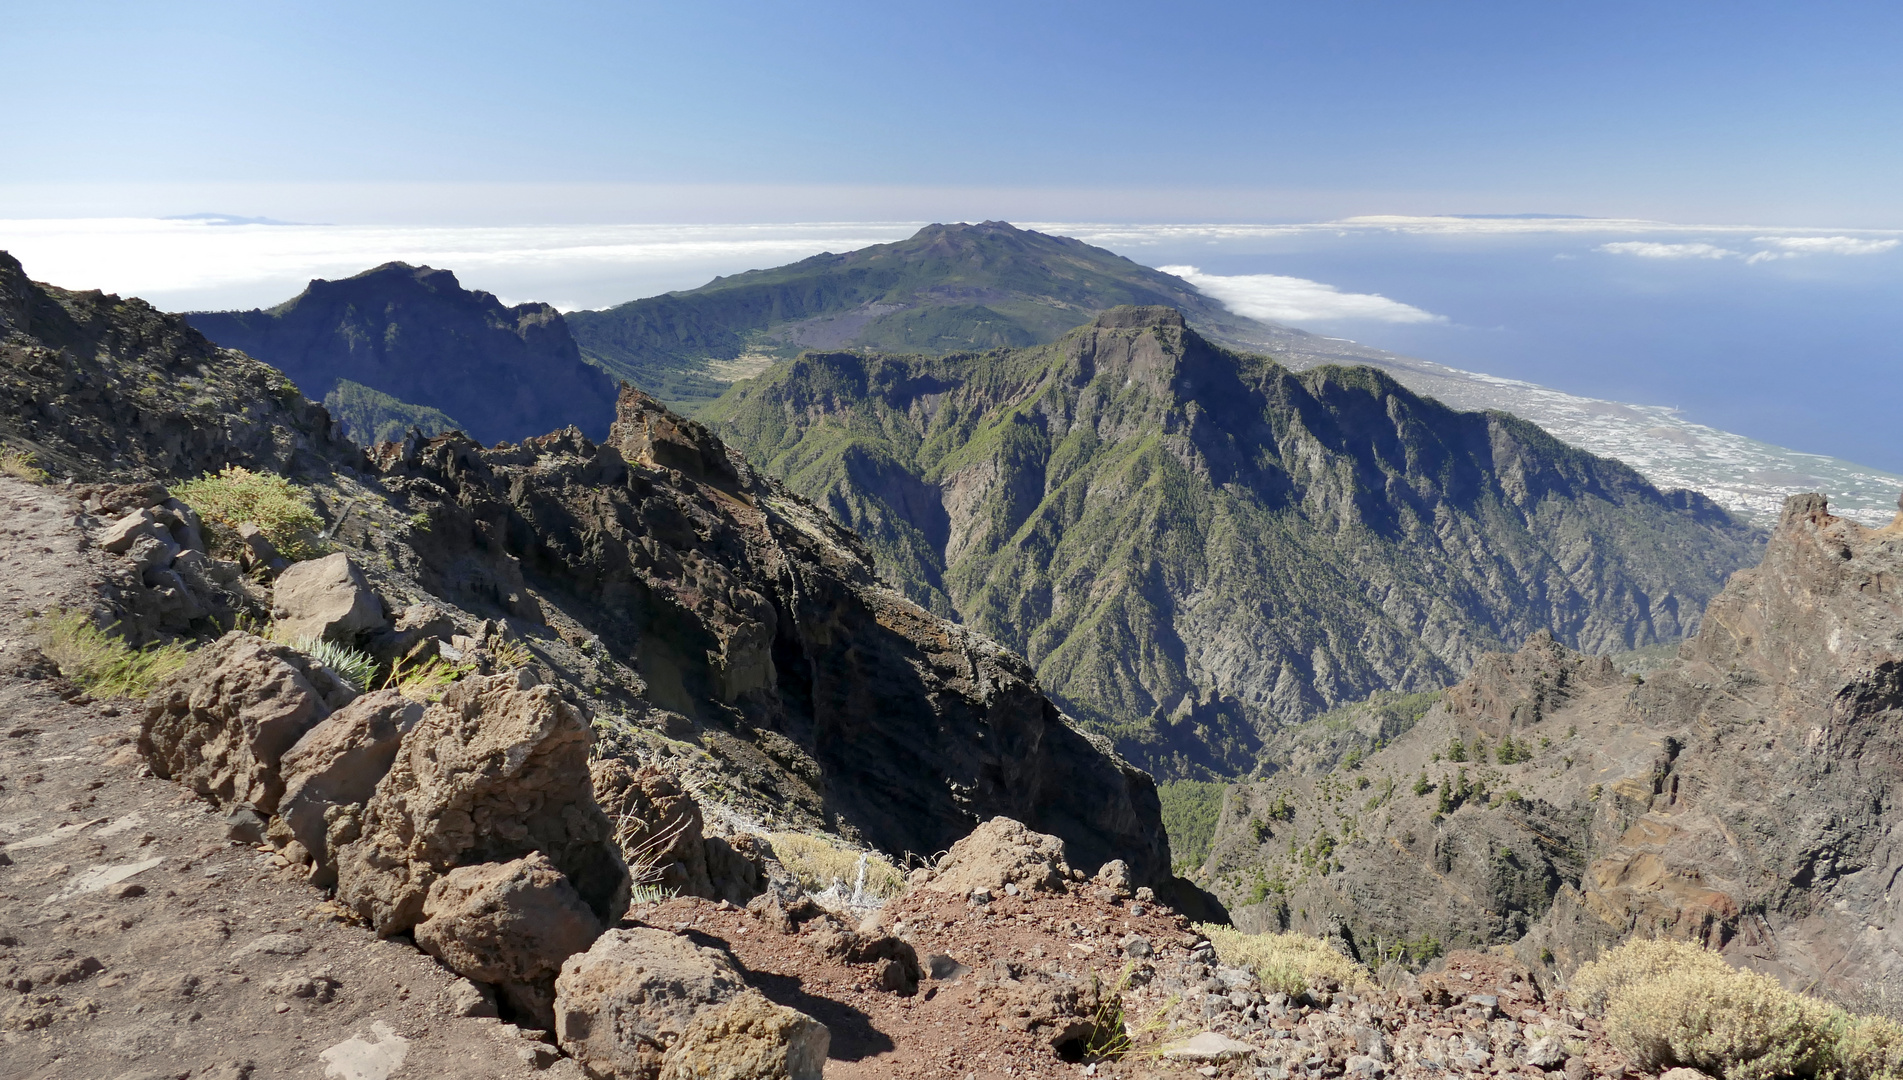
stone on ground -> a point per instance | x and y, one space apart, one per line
620 1006
749 1038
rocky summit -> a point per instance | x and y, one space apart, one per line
405 346
1742 797
1195 546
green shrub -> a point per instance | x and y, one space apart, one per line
235 496
1288 963
354 666
100 662
818 861
1669 1004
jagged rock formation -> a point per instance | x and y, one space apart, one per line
1743 797
1195 546
414 334
950 288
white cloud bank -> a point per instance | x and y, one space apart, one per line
1648 249
1780 247
1298 300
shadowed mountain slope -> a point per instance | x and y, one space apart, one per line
416 335
1195 547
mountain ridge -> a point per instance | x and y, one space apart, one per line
1110 505
414 334
949 287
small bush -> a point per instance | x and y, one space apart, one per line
354 666
818 861
101 663
425 682
1288 963
1668 1004
23 464
279 508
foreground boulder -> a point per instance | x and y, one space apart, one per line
511 925
620 1006
496 770
221 724
749 1038
336 766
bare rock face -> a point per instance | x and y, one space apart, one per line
1521 687
222 723
494 771
620 1006
326 599
336 766
1003 852
511 925
749 1038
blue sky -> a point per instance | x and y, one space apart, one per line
528 147
1772 113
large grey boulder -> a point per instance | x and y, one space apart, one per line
494 771
325 599
336 766
222 723
620 1006
511 925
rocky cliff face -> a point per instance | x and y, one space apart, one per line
707 621
1744 797
761 622
414 334
1195 547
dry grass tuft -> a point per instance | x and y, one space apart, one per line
1670 1004
1288 963
23 464
101 663
230 498
818 861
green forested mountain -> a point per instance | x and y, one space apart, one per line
949 288
1196 547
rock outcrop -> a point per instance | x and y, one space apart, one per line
1002 853
1742 797
221 724
334 769
496 770
755 619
